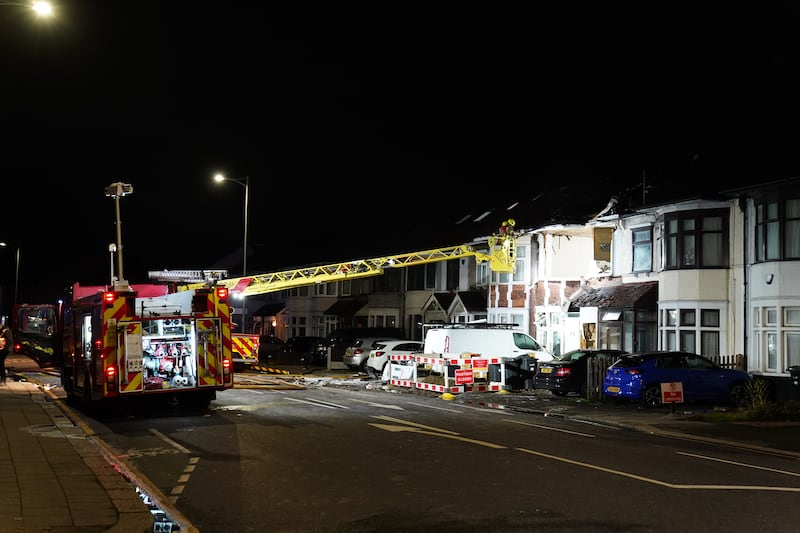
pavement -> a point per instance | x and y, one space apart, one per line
56 476
53 476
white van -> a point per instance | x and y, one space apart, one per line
487 340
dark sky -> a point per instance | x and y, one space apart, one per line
355 122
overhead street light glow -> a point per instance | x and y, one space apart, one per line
41 8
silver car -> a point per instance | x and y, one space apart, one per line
355 356
379 356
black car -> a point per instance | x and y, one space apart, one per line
304 349
566 373
268 347
340 339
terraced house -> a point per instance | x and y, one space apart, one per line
714 274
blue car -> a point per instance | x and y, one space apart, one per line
638 377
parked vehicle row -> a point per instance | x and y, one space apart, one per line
357 354
298 350
634 377
335 344
304 349
567 373
637 378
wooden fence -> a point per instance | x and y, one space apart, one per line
596 371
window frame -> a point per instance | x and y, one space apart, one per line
777 227
686 239
646 243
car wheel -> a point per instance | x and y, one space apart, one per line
738 395
651 396
559 393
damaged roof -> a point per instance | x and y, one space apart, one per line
623 295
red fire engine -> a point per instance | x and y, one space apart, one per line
116 344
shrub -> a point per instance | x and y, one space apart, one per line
758 394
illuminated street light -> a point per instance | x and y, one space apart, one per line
117 190
244 182
16 273
42 9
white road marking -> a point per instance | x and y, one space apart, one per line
414 424
395 429
169 441
498 411
434 407
707 458
381 405
320 403
661 483
549 428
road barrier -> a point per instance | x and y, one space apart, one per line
449 374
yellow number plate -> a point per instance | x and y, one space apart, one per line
613 389
546 370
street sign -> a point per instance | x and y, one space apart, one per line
672 392
464 376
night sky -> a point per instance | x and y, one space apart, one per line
367 128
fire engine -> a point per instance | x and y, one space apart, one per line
116 344
35 329
245 350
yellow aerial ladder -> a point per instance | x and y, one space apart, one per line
502 258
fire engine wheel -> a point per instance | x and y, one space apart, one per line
66 381
198 399
87 389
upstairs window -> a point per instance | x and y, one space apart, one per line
642 249
696 239
778 230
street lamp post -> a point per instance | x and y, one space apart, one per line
16 272
16 279
244 182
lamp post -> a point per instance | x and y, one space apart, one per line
16 272
244 182
115 191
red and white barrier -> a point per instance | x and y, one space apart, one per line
404 372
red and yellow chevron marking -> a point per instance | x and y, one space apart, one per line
245 345
208 365
116 312
223 311
135 381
